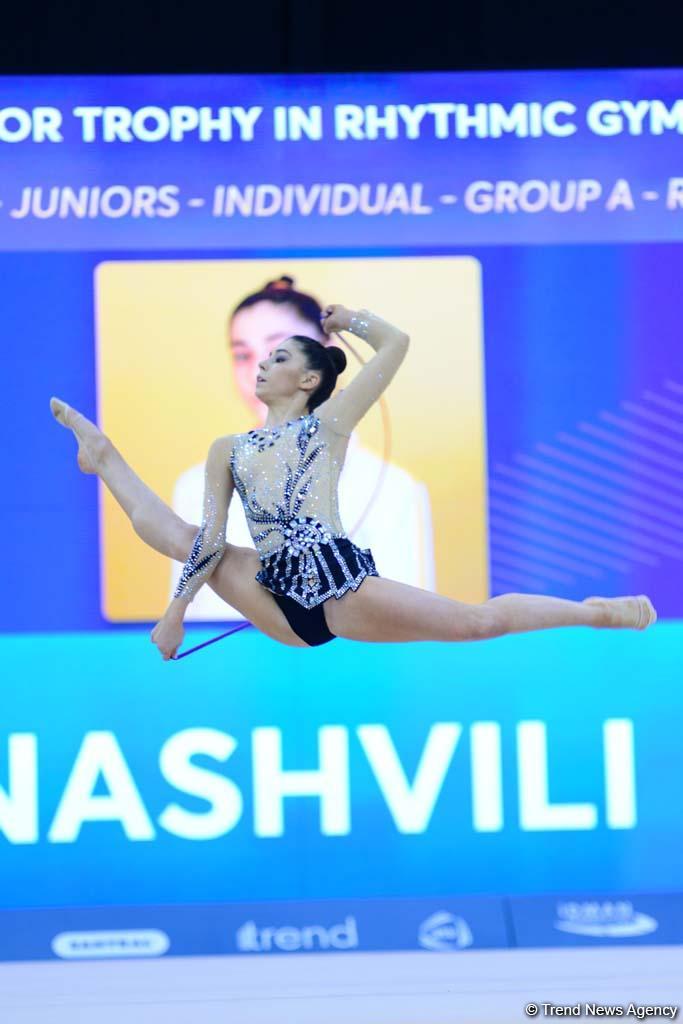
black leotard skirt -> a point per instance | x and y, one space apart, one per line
302 580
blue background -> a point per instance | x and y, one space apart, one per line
570 330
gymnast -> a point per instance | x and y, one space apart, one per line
305 582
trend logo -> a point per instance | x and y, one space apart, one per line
608 919
444 931
251 939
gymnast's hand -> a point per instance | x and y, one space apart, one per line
335 318
168 636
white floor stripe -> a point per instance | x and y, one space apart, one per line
484 987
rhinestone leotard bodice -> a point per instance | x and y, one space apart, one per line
287 479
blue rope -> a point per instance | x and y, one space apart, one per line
242 625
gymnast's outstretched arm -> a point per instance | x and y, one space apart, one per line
343 410
210 542
208 547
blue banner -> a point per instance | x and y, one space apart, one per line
450 924
527 764
329 926
233 161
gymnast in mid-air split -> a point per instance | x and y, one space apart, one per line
305 582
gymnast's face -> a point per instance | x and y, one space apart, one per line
283 372
255 332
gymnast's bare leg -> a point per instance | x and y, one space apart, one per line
386 611
381 610
160 527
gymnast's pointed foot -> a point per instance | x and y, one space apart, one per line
85 431
60 410
625 612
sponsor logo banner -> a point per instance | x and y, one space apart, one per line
442 924
437 924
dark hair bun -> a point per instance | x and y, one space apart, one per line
284 283
338 357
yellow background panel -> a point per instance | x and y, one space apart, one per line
166 390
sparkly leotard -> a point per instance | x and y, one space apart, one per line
287 477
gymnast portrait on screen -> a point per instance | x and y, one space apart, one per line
305 582
382 505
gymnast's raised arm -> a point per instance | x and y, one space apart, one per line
343 410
